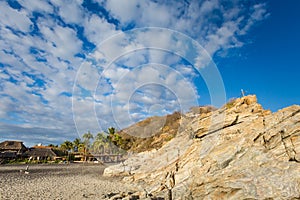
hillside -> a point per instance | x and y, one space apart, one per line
153 132
148 134
239 151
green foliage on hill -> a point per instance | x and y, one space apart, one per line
148 134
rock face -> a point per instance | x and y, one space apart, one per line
239 151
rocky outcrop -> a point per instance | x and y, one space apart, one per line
239 151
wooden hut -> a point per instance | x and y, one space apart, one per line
44 153
12 149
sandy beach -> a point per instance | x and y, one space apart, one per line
57 181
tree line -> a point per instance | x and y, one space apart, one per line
102 143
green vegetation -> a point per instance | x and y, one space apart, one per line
100 143
15 161
111 131
66 145
118 141
76 143
103 143
86 139
78 150
131 139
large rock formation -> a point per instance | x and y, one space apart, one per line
239 151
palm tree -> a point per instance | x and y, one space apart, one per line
76 144
87 137
111 130
111 136
100 143
66 145
52 145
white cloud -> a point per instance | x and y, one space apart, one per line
222 38
17 20
258 13
115 73
87 76
207 6
198 19
98 29
154 14
124 10
42 47
38 5
144 87
62 42
39 105
71 12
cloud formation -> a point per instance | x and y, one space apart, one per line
72 66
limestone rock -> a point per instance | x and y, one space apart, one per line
239 151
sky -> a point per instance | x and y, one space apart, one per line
68 67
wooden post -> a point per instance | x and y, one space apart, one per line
243 93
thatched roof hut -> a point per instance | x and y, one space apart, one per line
12 146
44 153
12 149
41 153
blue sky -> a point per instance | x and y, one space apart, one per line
269 66
67 67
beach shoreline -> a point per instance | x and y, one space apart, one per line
57 181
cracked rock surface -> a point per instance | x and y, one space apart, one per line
239 151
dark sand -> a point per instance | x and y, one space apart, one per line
57 181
